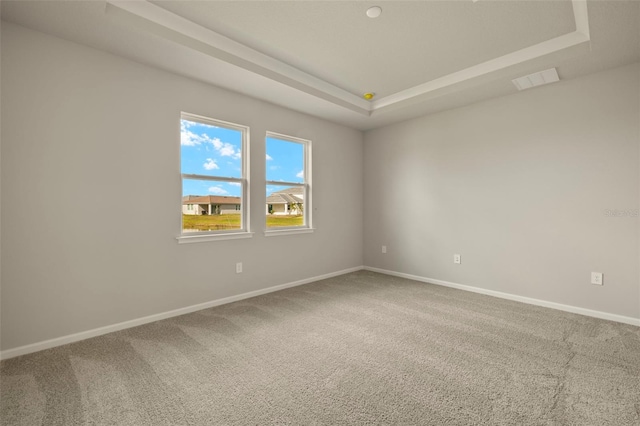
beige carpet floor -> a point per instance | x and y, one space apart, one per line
359 349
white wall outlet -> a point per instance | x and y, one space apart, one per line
238 267
596 278
456 259
384 249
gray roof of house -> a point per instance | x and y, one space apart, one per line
210 199
295 190
281 198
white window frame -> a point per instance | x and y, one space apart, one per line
243 180
308 208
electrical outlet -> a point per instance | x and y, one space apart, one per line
596 278
238 267
456 259
384 249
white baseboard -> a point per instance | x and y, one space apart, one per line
59 341
529 300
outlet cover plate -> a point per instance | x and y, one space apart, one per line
596 278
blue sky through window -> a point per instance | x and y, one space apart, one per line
285 162
217 151
210 151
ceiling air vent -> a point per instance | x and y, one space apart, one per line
536 79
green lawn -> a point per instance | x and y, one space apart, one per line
284 220
232 221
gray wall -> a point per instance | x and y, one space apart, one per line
0 187
518 186
82 128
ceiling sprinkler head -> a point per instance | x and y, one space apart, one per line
368 96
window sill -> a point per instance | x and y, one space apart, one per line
275 233
188 239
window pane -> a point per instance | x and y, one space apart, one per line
210 150
285 160
285 206
211 205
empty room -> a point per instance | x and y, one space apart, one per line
320 212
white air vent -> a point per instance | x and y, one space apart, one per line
536 79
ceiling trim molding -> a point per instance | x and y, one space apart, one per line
159 21
577 37
147 16
581 17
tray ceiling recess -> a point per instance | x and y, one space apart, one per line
171 26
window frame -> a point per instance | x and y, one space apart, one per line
307 227
243 180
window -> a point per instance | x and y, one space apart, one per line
214 169
288 170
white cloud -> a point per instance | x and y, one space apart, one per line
269 158
235 183
188 138
274 167
217 190
227 150
210 164
300 174
184 124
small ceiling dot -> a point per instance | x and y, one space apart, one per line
374 12
368 96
